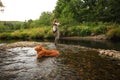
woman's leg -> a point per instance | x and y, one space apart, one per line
57 37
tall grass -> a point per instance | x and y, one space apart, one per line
33 33
84 29
5 35
113 34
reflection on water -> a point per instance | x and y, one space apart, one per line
87 65
94 44
73 63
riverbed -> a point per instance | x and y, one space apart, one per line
18 62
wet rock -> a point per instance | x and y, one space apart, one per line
19 44
110 53
2 44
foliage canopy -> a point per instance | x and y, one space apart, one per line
88 10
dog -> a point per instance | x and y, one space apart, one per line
41 51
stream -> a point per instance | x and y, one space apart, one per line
73 63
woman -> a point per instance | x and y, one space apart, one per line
56 30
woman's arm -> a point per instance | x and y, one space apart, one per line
57 23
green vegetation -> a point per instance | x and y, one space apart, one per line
111 30
33 33
77 18
1 4
114 34
88 10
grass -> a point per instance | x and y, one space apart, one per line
113 34
111 30
33 33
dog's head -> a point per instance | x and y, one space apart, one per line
38 48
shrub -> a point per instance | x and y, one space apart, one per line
113 34
15 34
5 35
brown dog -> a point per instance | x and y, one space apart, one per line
43 52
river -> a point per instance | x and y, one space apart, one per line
94 44
73 63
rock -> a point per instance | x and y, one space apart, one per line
109 53
21 44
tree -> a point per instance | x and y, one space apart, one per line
45 18
88 10
65 10
1 5
113 10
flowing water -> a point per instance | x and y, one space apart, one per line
73 63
